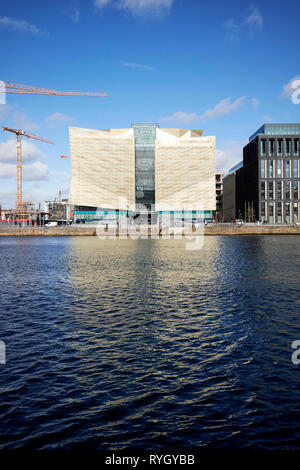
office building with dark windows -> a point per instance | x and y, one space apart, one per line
267 184
142 170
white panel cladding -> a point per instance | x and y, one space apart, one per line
103 169
185 167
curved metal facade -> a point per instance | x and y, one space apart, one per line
131 168
103 168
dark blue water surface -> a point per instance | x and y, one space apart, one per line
140 343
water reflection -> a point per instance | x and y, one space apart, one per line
121 343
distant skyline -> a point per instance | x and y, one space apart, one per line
224 67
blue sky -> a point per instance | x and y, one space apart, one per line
224 67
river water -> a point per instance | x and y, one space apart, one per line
115 344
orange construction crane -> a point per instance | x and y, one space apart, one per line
8 87
19 134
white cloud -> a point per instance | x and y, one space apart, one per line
101 3
20 26
230 155
267 119
73 13
255 102
222 108
8 151
7 197
253 22
4 111
22 121
36 171
287 89
138 7
133 65
58 119
232 30
18 118
181 117
254 19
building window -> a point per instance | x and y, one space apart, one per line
279 190
279 212
263 147
271 190
296 147
288 147
295 189
279 168
271 213
271 147
271 169
287 190
287 168
287 212
263 211
295 212
295 168
263 190
262 169
279 147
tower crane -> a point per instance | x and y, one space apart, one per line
19 204
8 87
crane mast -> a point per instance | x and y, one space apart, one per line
8 87
20 209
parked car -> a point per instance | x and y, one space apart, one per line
51 224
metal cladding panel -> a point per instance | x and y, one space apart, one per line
185 169
103 168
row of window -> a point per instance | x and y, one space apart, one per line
279 212
279 190
279 168
278 145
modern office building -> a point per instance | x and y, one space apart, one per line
229 197
267 184
142 169
219 198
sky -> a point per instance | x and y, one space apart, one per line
224 67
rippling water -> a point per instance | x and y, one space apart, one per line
139 343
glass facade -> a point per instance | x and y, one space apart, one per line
271 191
279 170
262 168
287 212
279 176
263 190
295 168
276 129
287 168
271 212
279 190
295 212
145 135
279 213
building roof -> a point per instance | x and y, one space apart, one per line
276 129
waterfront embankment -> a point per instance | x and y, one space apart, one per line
211 229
